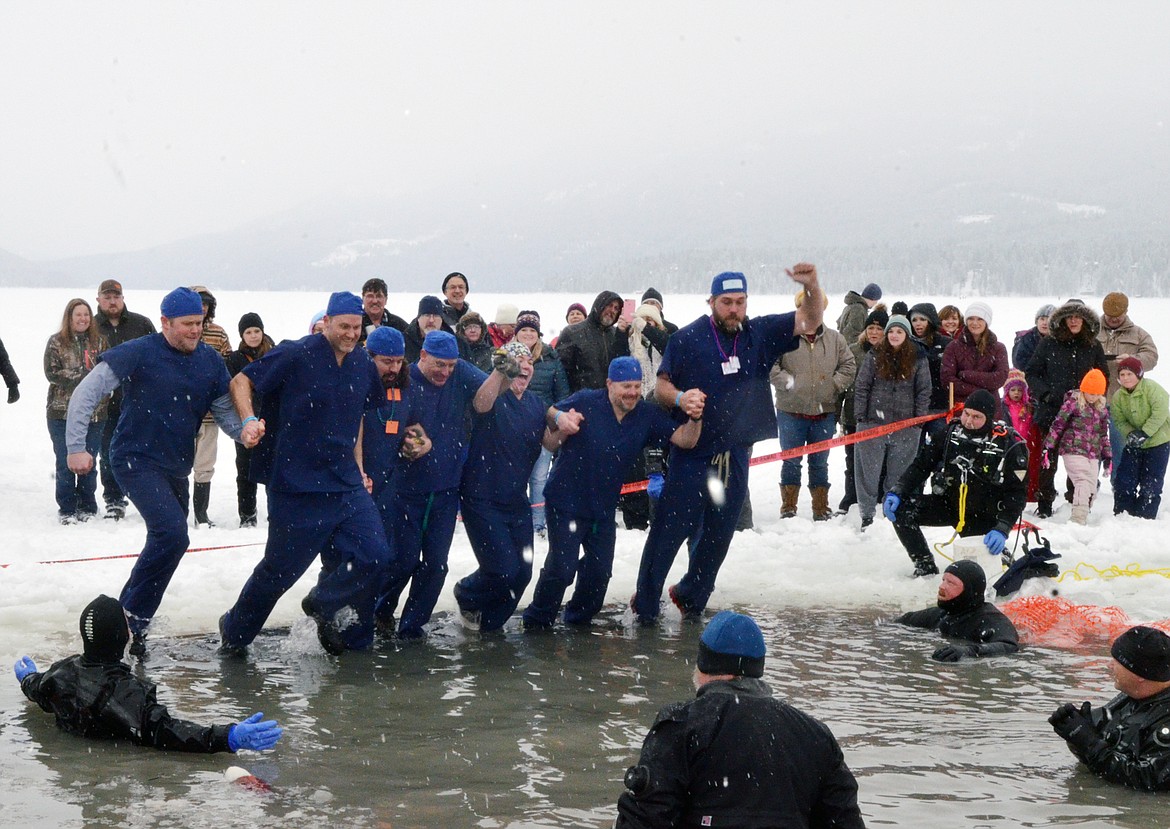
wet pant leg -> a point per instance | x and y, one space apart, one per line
593 572
427 525
501 538
161 499
566 534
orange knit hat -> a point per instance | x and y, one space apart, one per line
1093 382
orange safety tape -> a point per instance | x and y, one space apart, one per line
821 446
135 555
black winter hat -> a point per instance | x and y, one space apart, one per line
652 293
974 586
250 320
455 275
1144 651
981 400
430 305
877 316
104 632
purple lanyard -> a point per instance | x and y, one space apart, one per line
715 334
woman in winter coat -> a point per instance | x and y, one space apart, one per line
1080 435
976 359
254 344
950 321
550 384
1141 410
893 384
1057 367
472 333
873 333
70 355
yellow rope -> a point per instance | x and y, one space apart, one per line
1113 571
938 548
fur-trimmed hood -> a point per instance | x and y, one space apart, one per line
1058 328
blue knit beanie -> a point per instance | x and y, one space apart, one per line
872 292
624 369
342 303
386 342
441 344
181 302
430 305
732 644
729 282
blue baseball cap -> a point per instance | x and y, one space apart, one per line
729 282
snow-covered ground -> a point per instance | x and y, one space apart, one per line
792 562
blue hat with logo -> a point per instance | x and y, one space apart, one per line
386 342
342 303
732 644
729 282
441 344
624 369
181 302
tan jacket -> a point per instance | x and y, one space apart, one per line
1129 339
811 378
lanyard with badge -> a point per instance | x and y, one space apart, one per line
730 364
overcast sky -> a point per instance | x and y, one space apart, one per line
126 125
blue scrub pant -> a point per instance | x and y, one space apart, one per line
161 499
425 526
567 534
501 538
345 530
76 494
685 506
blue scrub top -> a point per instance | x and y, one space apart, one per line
587 475
442 412
505 443
312 408
385 427
739 409
165 395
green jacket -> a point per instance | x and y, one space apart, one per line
1147 407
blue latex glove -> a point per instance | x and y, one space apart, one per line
254 734
890 506
654 487
23 667
995 541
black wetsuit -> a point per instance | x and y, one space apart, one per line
992 633
737 757
104 700
1135 742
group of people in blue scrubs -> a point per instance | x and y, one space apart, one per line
368 463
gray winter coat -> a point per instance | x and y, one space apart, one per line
877 400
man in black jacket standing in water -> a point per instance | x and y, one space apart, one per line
735 755
963 614
1128 740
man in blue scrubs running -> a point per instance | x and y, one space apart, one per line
505 442
600 433
428 489
313 393
727 357
169 381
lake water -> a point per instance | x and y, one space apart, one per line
536 730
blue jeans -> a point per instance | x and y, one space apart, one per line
796 431
75 493
536 482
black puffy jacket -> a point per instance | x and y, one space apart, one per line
1062 360
104 700
586 348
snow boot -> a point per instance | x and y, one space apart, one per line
246 504
820 503
1080 515
788 495
200 498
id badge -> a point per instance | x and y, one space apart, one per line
731 366
391 427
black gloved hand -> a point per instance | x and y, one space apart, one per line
1136 439
13 392
504 363
1075 725
953 653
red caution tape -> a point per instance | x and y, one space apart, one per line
135 555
